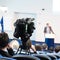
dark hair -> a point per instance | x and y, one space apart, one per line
4 39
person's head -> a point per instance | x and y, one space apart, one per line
4 39
51 49
38 47
57 48
47 24
44 46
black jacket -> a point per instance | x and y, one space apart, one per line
10 53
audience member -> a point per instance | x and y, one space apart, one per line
57 49
51 49
38 47
44 47
29 45
5 49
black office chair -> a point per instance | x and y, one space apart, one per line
58 56
25 57
6 58
42 56
52 56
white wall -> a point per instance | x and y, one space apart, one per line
54 21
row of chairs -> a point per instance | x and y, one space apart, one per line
33 57
37 57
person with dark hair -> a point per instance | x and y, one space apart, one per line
5 49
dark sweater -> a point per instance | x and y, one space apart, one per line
10 53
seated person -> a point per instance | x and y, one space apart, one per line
28 45
5 49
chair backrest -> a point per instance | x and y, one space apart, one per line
42 56
25 57
6 58
58 56
52 56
